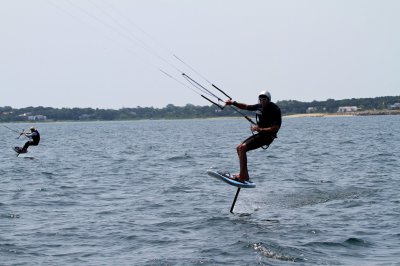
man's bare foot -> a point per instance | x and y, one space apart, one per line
237 177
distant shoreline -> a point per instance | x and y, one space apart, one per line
386 105
300 115
359 113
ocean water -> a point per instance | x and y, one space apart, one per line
137 193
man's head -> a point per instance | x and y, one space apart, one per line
32 129
264 97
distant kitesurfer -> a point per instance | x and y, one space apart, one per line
34 137
269 120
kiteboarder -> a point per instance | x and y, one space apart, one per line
34 137
269 120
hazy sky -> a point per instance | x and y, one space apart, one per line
107 53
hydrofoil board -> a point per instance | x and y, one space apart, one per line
18 150
228 178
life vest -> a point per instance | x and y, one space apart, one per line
268 116
36 137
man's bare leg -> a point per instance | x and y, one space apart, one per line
243 174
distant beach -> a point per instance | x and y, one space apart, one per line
360 113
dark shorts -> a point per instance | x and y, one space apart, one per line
30 143
256 141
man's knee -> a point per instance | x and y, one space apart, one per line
241 148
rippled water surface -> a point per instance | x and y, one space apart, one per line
137 193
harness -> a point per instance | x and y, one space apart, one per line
258 114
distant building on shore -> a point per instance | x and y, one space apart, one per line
311 110
314 109
37 117
30 117
395 106
345 109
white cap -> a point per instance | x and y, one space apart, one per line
265 94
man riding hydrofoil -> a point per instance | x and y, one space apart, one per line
34 139
269 120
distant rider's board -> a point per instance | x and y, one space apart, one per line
227 177
18 150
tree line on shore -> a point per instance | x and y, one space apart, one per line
9 114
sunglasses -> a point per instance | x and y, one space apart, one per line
263 98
